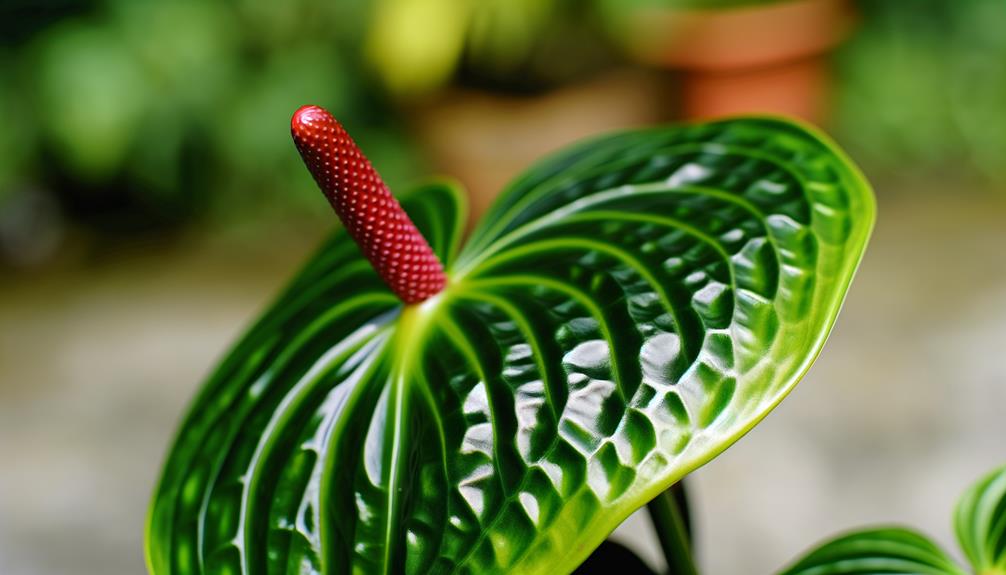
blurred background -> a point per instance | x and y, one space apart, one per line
151 203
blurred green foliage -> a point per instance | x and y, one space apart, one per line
143 113
135 114
417 46
166 109
922 87
697 4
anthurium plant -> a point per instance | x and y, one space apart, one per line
418 402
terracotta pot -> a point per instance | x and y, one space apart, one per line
769 58
486 139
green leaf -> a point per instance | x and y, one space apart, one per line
884 550
628 309
980 522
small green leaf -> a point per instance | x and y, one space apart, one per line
980 522
627 310
891 550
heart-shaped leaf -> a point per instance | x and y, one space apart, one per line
627 310
891 550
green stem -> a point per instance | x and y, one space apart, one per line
670 517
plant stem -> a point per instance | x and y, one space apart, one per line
670 517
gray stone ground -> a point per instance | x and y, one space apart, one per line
904 408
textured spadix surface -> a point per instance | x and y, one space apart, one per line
626 310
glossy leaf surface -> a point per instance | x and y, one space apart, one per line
627 310
980 522
891 550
